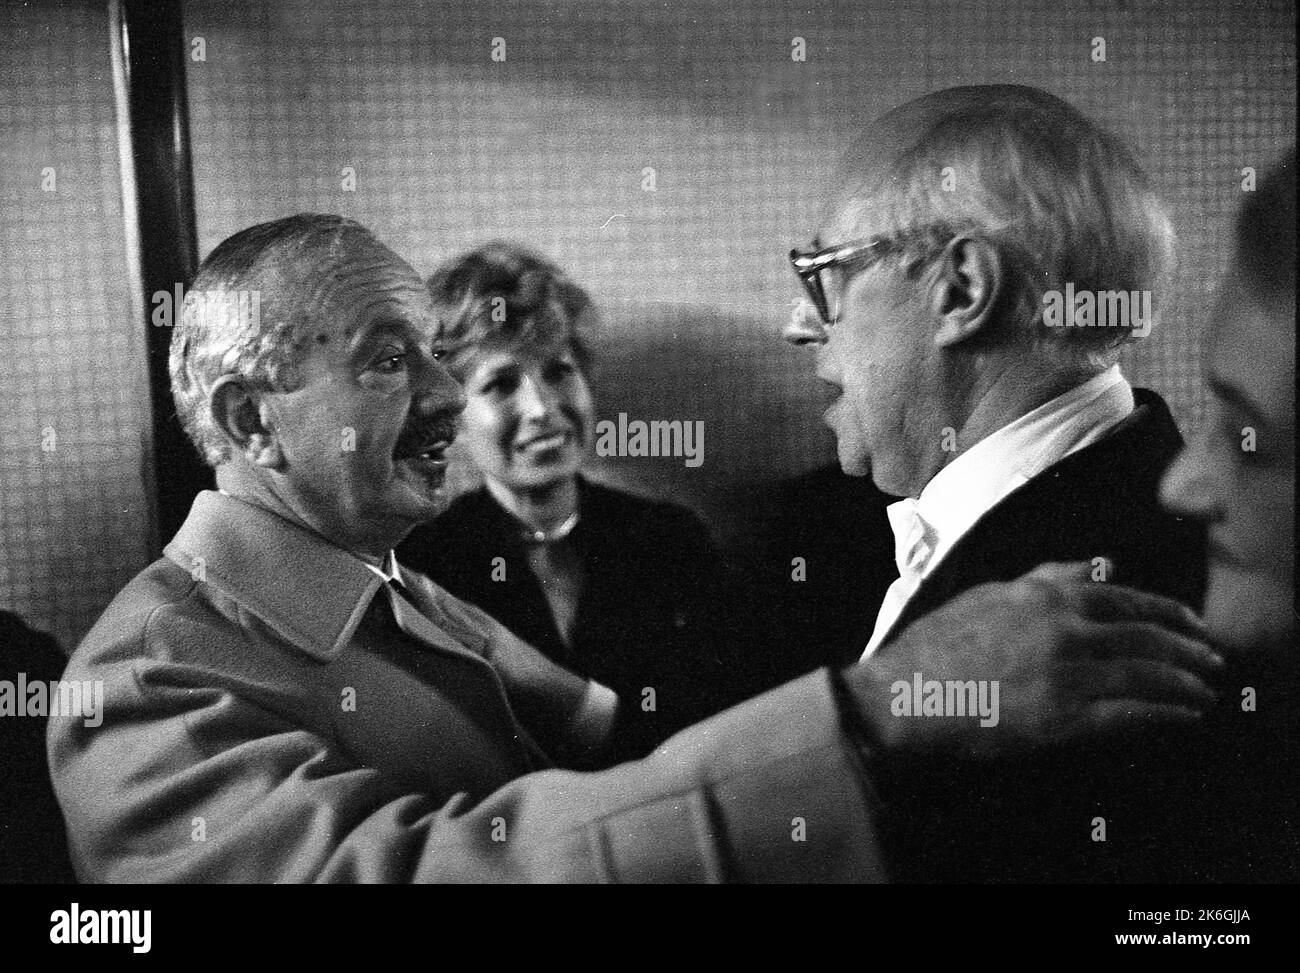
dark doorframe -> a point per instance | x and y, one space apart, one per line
149 52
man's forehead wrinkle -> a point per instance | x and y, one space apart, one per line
1225 388
293 277
348 283
385 308
383 289
850 215
852 206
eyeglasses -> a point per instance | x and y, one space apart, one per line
857 255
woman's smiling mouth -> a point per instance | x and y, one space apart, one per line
545 441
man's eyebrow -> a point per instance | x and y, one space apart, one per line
1238 397
497 368
381 327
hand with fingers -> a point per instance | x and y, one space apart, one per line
1067 657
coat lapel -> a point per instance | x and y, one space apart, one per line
1080 507
467 644
414 618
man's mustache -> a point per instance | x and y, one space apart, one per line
420 434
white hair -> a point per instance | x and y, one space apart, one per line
1063 201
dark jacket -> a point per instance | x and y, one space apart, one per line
1216 803
1172 802
33 847
1102 501
654 613
822 566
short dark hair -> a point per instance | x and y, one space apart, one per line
506 295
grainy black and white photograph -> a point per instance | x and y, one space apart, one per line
542 441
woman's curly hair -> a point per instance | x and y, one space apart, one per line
504 295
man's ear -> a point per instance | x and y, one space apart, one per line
238 413
967 282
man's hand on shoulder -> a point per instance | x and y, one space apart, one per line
1044 659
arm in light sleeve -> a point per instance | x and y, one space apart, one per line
195 776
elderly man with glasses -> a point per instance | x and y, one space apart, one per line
985 255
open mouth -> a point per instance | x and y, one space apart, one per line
427 445
828 393
426 461
829 384
545 441
434 453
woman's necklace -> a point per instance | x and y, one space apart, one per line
555 534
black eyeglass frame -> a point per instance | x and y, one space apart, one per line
809 264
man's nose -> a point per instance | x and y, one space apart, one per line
1188 485
805 327
535 401
438 390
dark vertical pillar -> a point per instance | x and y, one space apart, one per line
154 49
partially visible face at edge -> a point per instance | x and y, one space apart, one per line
364 434
1245 496
530 415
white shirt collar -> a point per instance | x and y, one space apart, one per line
390 570
973 483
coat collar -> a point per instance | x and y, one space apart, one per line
1127 462
310 592
973 483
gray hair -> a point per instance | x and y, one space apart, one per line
223 332
1062 200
